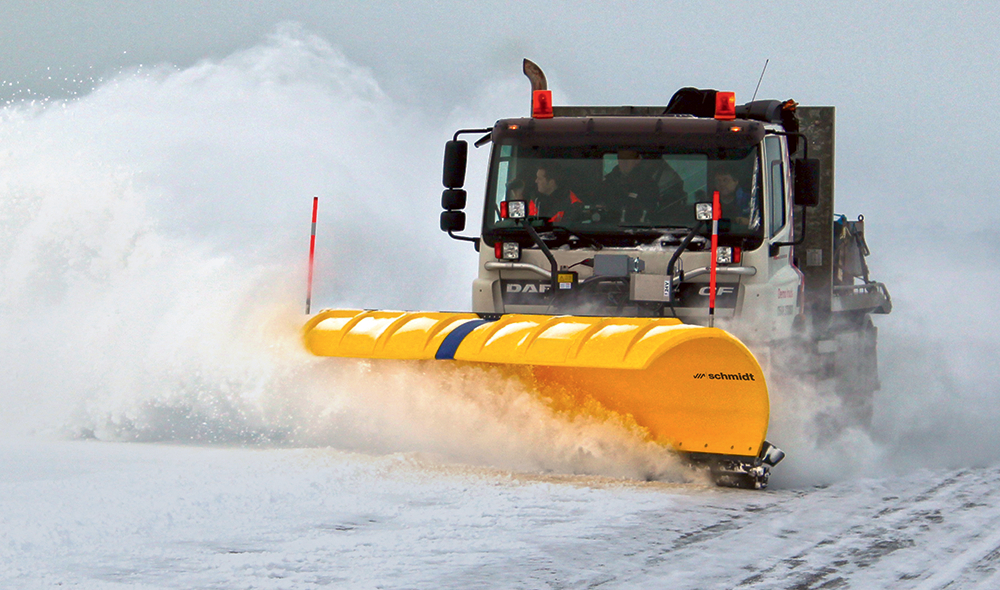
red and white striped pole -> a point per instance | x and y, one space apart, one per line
716 215
312 255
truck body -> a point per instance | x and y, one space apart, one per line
656 266
791 278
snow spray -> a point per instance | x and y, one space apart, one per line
149 276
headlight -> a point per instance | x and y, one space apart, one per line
507 251
514 209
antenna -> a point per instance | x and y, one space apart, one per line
759 79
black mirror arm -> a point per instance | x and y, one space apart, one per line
800 239
453 236
484 140
465 131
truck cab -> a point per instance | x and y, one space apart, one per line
613 196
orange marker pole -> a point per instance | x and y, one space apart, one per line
716 215
312 255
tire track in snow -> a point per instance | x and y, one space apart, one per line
869 533
900 540
866 535
977 562
985 549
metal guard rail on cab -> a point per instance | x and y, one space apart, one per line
746 271
518 266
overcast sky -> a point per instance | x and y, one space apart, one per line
913 82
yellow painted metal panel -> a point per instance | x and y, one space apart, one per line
380 334
693 388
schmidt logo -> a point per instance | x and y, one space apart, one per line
727 376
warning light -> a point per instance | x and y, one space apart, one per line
736 129
541 104
513 126
725 106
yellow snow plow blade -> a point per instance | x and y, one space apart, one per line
695 389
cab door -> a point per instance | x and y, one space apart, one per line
784 280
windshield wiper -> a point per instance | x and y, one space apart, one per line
579 236
682 228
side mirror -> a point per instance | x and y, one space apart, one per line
456 153
452 221
453 199
807 182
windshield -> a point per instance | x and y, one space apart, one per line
595 190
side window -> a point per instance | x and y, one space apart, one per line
503 177
776 178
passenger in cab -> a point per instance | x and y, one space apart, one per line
630 190
738 205
515 189
555 200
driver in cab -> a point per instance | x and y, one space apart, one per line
628 188
737 203
555 200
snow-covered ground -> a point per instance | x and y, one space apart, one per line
163 428
98 515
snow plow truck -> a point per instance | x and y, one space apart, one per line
632 257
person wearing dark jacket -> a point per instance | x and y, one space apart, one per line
555 200
629 190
